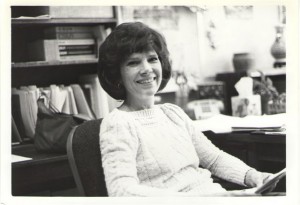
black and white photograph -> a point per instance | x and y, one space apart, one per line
150 102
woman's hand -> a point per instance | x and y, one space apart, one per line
254 179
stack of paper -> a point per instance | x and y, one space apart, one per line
223 123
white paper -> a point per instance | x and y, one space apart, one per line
224 123
17 158
244 87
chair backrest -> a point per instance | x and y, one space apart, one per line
85 159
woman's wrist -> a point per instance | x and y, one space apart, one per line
254 178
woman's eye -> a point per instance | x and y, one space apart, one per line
132 63
153 59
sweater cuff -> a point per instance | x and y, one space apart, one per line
250 177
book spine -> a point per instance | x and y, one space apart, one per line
74 52
73 41
70 35
76 47
78 57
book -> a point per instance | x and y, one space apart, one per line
75 47
26 115
263 189
75 52
57 97
69 106
87 90
99 96
15 134
32 96
81 102
16 114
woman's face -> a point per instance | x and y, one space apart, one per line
141 75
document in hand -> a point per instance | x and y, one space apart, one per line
270 182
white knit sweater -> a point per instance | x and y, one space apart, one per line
157 152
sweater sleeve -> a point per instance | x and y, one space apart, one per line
212 158
119 145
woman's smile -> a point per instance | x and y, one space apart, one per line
146 81
141 75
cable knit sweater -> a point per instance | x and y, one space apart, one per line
157 152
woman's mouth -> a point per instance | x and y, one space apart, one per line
146 81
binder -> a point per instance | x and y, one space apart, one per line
15 134
81 102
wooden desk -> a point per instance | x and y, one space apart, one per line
266 153
48 173
45 174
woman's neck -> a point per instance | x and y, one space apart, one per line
135 105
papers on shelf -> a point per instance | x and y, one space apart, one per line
17 158
46 16
223 123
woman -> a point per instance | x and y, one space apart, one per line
154 150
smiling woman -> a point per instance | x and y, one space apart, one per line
126 45
141 77
155 150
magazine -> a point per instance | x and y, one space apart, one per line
270 182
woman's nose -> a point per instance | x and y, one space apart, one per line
146 67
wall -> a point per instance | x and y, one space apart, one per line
179 26
186 35
254 33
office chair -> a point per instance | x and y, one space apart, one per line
85 159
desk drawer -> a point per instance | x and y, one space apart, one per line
35 178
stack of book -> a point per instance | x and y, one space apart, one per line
63 43
87 98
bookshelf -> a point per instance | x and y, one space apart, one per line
53 63
27 27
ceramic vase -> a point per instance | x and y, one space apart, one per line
242 62
278 49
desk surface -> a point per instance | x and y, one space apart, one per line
44 173
247 137
28 150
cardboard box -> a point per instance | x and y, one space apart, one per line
51 50
243 106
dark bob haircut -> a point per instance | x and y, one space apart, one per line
124 40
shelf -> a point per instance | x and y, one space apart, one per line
36 21
52 63
273 72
